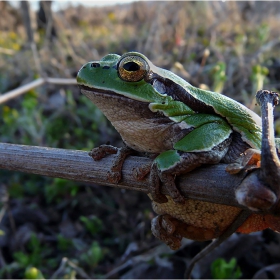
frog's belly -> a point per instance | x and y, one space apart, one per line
198 213
205 220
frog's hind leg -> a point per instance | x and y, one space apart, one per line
171 231
171 163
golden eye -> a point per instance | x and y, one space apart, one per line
132 68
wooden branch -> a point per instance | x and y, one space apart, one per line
209 183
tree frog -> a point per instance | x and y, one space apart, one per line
182 127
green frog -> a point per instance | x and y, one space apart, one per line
182 127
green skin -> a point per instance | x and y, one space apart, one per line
162 114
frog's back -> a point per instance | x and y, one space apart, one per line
242 120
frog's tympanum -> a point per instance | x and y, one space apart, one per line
158 113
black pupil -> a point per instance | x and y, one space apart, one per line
131 66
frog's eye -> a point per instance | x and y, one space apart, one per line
132 68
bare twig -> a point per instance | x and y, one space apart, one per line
270 165
209 183
20 90
242 217
23 89
64 262
30 35
61 81
7 51
260 190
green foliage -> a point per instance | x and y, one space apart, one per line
31 260
93 255
65 128
21 185
263 32
220 269
219 76
9 125
35 254
59 189
93 224
26 122
258 76
63 243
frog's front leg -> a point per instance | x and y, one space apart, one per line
100 152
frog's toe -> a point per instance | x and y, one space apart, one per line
155 186
115 173
102 151
164 229
168 180
159 179
158 197
114 176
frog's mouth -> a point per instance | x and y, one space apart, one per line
90 91
97 90
109 98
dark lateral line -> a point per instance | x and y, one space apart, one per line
180 94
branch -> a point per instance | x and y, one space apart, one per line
209 183
270 165
260 190
30 34
36 83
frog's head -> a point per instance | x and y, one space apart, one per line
131 75
137 98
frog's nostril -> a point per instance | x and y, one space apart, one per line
95 65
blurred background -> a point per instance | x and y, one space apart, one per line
55 228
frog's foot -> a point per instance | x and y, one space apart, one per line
249 160
141 172
164 228
102 151
159 178
171 231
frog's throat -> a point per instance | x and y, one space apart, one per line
140 128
